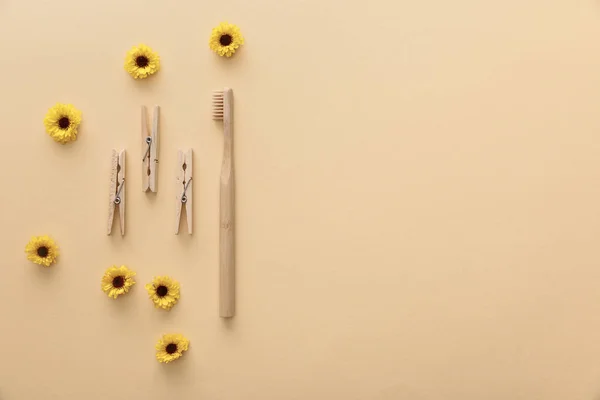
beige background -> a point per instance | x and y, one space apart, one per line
417 200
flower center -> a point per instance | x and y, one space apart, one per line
141 61
118 282
64 123
225 40
171 348
162 291
42 251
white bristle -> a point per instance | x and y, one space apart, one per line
217 105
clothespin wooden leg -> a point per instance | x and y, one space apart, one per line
121 191
149 150
146 143
117 191
188 190
184 191
179 179
112 191
154 150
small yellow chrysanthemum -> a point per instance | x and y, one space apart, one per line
225 39
141 62
164 292
117 281
170 347
62 122
42 250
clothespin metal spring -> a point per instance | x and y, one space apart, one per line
147 155
118 196
183 196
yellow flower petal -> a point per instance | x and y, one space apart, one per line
225 39
62 122
42 250
117 281
164 292
170 347
141 62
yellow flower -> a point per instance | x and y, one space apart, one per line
170 347
141 62
62 121
117 281
42 250
164 292
225 39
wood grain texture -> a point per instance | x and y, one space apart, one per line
227 214
153 161
150 160
121 187
145 163
117 186
112 191
184 177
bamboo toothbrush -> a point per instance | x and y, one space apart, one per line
222 102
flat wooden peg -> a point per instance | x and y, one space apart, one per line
117 190
149 150
184 189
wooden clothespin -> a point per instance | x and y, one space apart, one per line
117 191
184 189
149 150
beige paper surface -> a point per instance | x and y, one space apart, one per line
417 200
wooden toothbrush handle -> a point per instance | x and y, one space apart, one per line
227 253
227 229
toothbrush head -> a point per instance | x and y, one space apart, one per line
217 105
222 103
